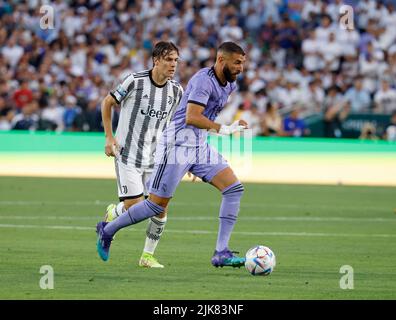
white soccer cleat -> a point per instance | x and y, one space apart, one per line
147 260
109 213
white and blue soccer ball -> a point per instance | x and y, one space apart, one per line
260 261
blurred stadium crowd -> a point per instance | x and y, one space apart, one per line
300 62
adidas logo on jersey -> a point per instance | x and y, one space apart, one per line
145 96
159 114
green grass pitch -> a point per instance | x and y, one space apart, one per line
313 230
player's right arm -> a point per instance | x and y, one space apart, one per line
115 97
201 90
195 117
111 145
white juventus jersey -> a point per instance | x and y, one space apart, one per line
146 108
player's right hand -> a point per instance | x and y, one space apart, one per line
112 148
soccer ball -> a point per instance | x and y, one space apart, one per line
260 261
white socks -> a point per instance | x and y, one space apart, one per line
154 230
118 210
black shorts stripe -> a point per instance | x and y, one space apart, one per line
160 170
155 181
158 176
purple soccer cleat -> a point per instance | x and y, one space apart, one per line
104 241
227 258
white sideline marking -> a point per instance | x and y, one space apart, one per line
298 234
214 218
190 204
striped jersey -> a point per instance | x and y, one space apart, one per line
146 109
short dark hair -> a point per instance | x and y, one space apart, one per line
230 47
163 48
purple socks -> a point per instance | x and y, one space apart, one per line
133 215
228 214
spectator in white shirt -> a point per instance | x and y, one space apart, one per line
358 98
311 6
369 70
210 13
385 99
12 52
311 99
349 41
390 131
324 30
54 114
288 96
363 9
310 48
333 9
331 53
231 31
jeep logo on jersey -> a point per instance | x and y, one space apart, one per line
159 114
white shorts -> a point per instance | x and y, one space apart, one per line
132 182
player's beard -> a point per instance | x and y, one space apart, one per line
228 74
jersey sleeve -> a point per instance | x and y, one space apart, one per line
174 107
201 89
121 91
180 94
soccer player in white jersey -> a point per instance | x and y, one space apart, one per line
147 99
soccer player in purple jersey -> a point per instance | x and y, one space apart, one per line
206 94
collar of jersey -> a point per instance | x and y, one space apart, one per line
153 82
217 78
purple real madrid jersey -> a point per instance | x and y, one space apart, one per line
206 90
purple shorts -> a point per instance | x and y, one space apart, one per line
173 162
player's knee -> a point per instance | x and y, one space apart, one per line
234 192
130 202
153 208
162 215
163 202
